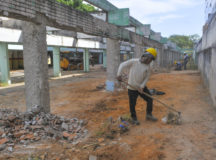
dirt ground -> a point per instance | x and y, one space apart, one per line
194 139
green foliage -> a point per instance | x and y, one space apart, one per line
184 42
78 4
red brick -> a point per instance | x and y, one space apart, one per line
68 135
28 136
19 134
3 141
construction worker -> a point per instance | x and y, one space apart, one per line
139 72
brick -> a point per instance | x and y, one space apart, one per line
19 134
68 136
3 141
28 136
65 134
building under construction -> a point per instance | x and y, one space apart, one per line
61 98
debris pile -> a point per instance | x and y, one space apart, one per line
110 128
28 127
172 118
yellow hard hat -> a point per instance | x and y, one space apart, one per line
152 51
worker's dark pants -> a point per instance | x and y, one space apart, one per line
133 98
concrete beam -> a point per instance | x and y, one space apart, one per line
67 18
4 64
36 67
113 61
15 36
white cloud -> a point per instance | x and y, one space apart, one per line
161 19
148 7
167 16
143 10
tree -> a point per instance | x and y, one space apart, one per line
184 42
195 38
78 4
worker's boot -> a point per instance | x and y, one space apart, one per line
150 117
135 121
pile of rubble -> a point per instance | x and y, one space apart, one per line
28 127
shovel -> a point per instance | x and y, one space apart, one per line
174 119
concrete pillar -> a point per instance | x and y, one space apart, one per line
4 64
113 60
160 57
138 50
86 60
35 64
56 62
104 59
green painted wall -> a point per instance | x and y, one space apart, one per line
56 62
86 60
119 17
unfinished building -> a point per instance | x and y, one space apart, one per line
72 116
50 13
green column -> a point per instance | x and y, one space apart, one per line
4 64
86 60
56 62
104 59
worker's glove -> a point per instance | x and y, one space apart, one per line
140 90
119 78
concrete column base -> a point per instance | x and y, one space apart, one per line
113 61
35 64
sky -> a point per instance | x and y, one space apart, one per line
182 17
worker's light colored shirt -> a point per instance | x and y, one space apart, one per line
138 73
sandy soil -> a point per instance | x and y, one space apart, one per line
78 97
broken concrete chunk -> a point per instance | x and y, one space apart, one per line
2 147
10 149
36 109
65 126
